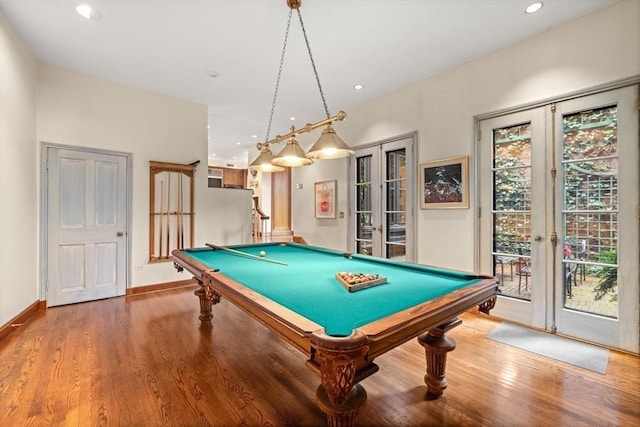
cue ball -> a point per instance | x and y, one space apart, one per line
262 253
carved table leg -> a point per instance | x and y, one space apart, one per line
488 305
437 345
342 415
339 396
207 297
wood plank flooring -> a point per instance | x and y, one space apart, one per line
144 360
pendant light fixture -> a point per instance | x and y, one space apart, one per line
328 146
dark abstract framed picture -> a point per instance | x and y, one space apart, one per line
444 184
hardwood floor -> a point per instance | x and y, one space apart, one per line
144 360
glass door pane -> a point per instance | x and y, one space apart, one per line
590 213
512 209
396 205
364 212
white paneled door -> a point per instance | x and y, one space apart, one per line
86 226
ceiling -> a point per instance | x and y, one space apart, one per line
226 53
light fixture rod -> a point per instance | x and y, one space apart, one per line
307 128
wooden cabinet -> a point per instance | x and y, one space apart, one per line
234 178
227 177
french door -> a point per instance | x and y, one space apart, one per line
381 199
561 233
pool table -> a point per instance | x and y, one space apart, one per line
292 289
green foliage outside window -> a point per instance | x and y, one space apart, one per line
608 282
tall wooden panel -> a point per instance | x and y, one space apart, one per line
281 205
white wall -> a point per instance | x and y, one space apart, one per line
595 49
328 233
224 217
79 110
18 178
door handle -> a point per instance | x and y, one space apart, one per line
119 234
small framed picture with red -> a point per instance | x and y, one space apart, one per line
325 199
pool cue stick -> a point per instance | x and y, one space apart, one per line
168 208
181 216
178 217
181 211
160 218
233 251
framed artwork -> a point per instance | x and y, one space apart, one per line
444 184
325 199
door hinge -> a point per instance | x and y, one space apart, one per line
479 212
479 134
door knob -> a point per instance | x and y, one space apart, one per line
537 238
119 234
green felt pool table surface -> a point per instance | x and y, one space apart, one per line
307 284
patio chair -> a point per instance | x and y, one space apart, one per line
502 260
567 279
523 269
578 248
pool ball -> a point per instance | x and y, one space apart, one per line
262 253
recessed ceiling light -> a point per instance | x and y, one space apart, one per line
254 136
358 87
213 74
533 7
239 143
292 118
87 12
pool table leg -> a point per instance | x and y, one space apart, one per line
339 396
207 297
437 345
